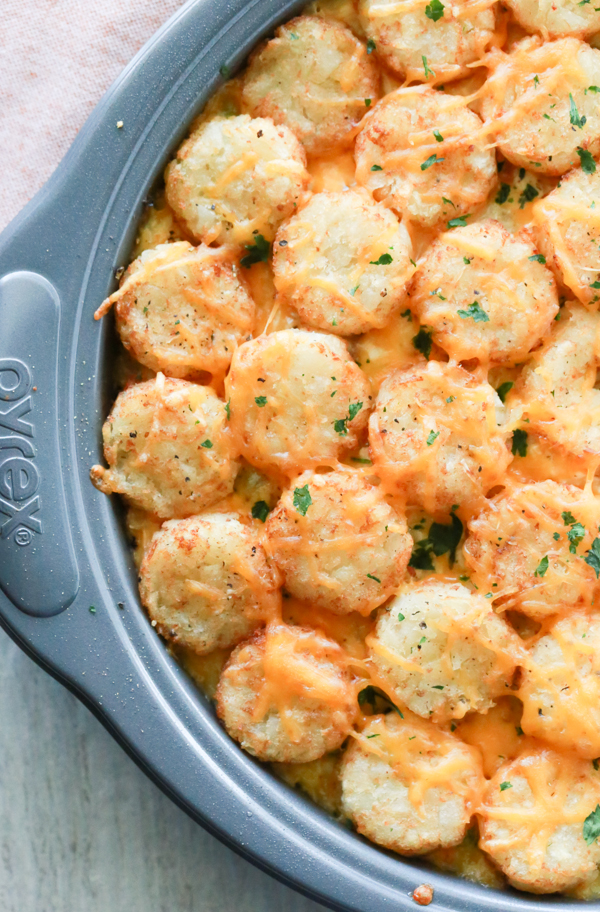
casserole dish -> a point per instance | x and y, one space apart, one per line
69 594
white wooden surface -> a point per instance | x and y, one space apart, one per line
83 830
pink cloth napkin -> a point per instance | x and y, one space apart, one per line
57 58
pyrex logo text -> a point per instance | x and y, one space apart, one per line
19 477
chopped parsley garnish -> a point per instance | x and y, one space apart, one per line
568 518
576 119
257 252
302 499
519 442
438 136
441 539
367 102
384 260
505 785
476 311
294 36
228 409
450 203
375 578
591 826
593 88
434 10
340 426
458 222
537 258
376 168
467 260
371 46
438 686
401 617
528 194
260 510
432 160
92 609
504 389
407 314
423 342
207 445
428 71
370 695
575 535
588 165
542 567
592 557
503 194
433 436
261 401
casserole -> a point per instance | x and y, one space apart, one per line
69 594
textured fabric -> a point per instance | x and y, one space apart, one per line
57 58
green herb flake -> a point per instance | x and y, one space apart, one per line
438 686
261 401
401 617
433 436
373 736
293 36
593 88
542 567
504 389
422 640
423 342
260 510
371 46
367 102
588 165
92 609
519 442
228 409
576 119
458 222
591 826
384 260
224 70
476 312
575 535
207 445
556 536
376 168
450 203
592 557
374 578
438 136
528 194
537 258
428 71
450 399
434 10
505 785
407 314
503 194
432 160
258 252
302 499
568 518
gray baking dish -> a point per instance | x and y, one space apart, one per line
68 585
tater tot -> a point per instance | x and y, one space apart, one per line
532 820
350 549
410 786
448 36
236 177
206 583
343 262
315 77
286 695
557 391
557 18
560 687
484 294
421 154
296 400
529 545
438 434
537 104
183 310
168 448
567 223
441 651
